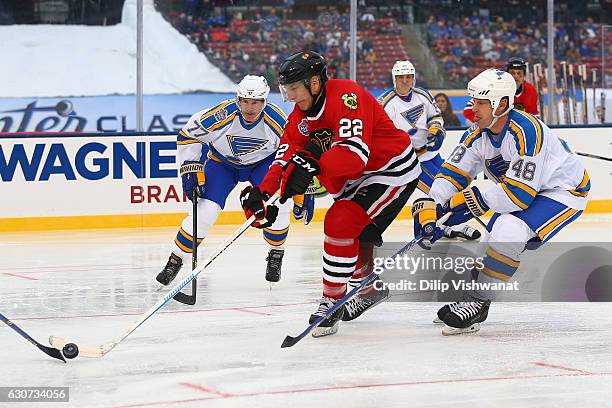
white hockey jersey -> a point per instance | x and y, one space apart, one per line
230 139
526 159
414 114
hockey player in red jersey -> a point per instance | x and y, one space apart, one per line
526 98
339 133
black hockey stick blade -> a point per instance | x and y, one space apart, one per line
50 351
53 352
188 299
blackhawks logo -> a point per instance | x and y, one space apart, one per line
350 101
303 127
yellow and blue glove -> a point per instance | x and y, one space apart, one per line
464 206
435 136
192 178
425 213
304 204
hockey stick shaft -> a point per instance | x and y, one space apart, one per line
183 297
292 341
103 349
594 156
47 350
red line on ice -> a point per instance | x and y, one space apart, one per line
18 275
359 386
560 367
206 389
222 309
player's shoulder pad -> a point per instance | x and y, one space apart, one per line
527 132
219 115
471 135
386 96
274 118
424 92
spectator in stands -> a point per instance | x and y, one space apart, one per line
445 106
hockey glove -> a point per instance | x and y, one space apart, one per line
464 206
303 205
253 203
435 137
425 214
298 173
192 177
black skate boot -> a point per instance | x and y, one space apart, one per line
329 325
358 304
444 310
275 261
467 316
468 233
170 271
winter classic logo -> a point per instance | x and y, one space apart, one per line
350 101
303 127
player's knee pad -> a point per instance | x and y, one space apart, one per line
345 219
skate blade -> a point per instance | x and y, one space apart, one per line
452 331
325 331
437 320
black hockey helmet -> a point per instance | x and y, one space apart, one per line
301 67
516 63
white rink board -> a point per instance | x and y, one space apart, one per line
77 176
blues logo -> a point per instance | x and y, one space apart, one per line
241 145
412 115
497 167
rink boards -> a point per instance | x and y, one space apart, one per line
79 181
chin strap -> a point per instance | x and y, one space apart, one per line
496 117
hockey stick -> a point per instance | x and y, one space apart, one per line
183 297
53 352
574 96
103 349
291 341
594 156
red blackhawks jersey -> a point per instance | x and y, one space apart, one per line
367 148
526 100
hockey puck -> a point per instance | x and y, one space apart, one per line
70 351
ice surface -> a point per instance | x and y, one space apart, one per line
225 351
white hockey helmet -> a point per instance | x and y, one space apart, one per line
493 85
253 87
403 68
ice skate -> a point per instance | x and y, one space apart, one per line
329 325
444 310
358 304
275 261
170 271
467 316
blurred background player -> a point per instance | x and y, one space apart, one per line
526 98
446 109
339 133
413 110
540 187
242 135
